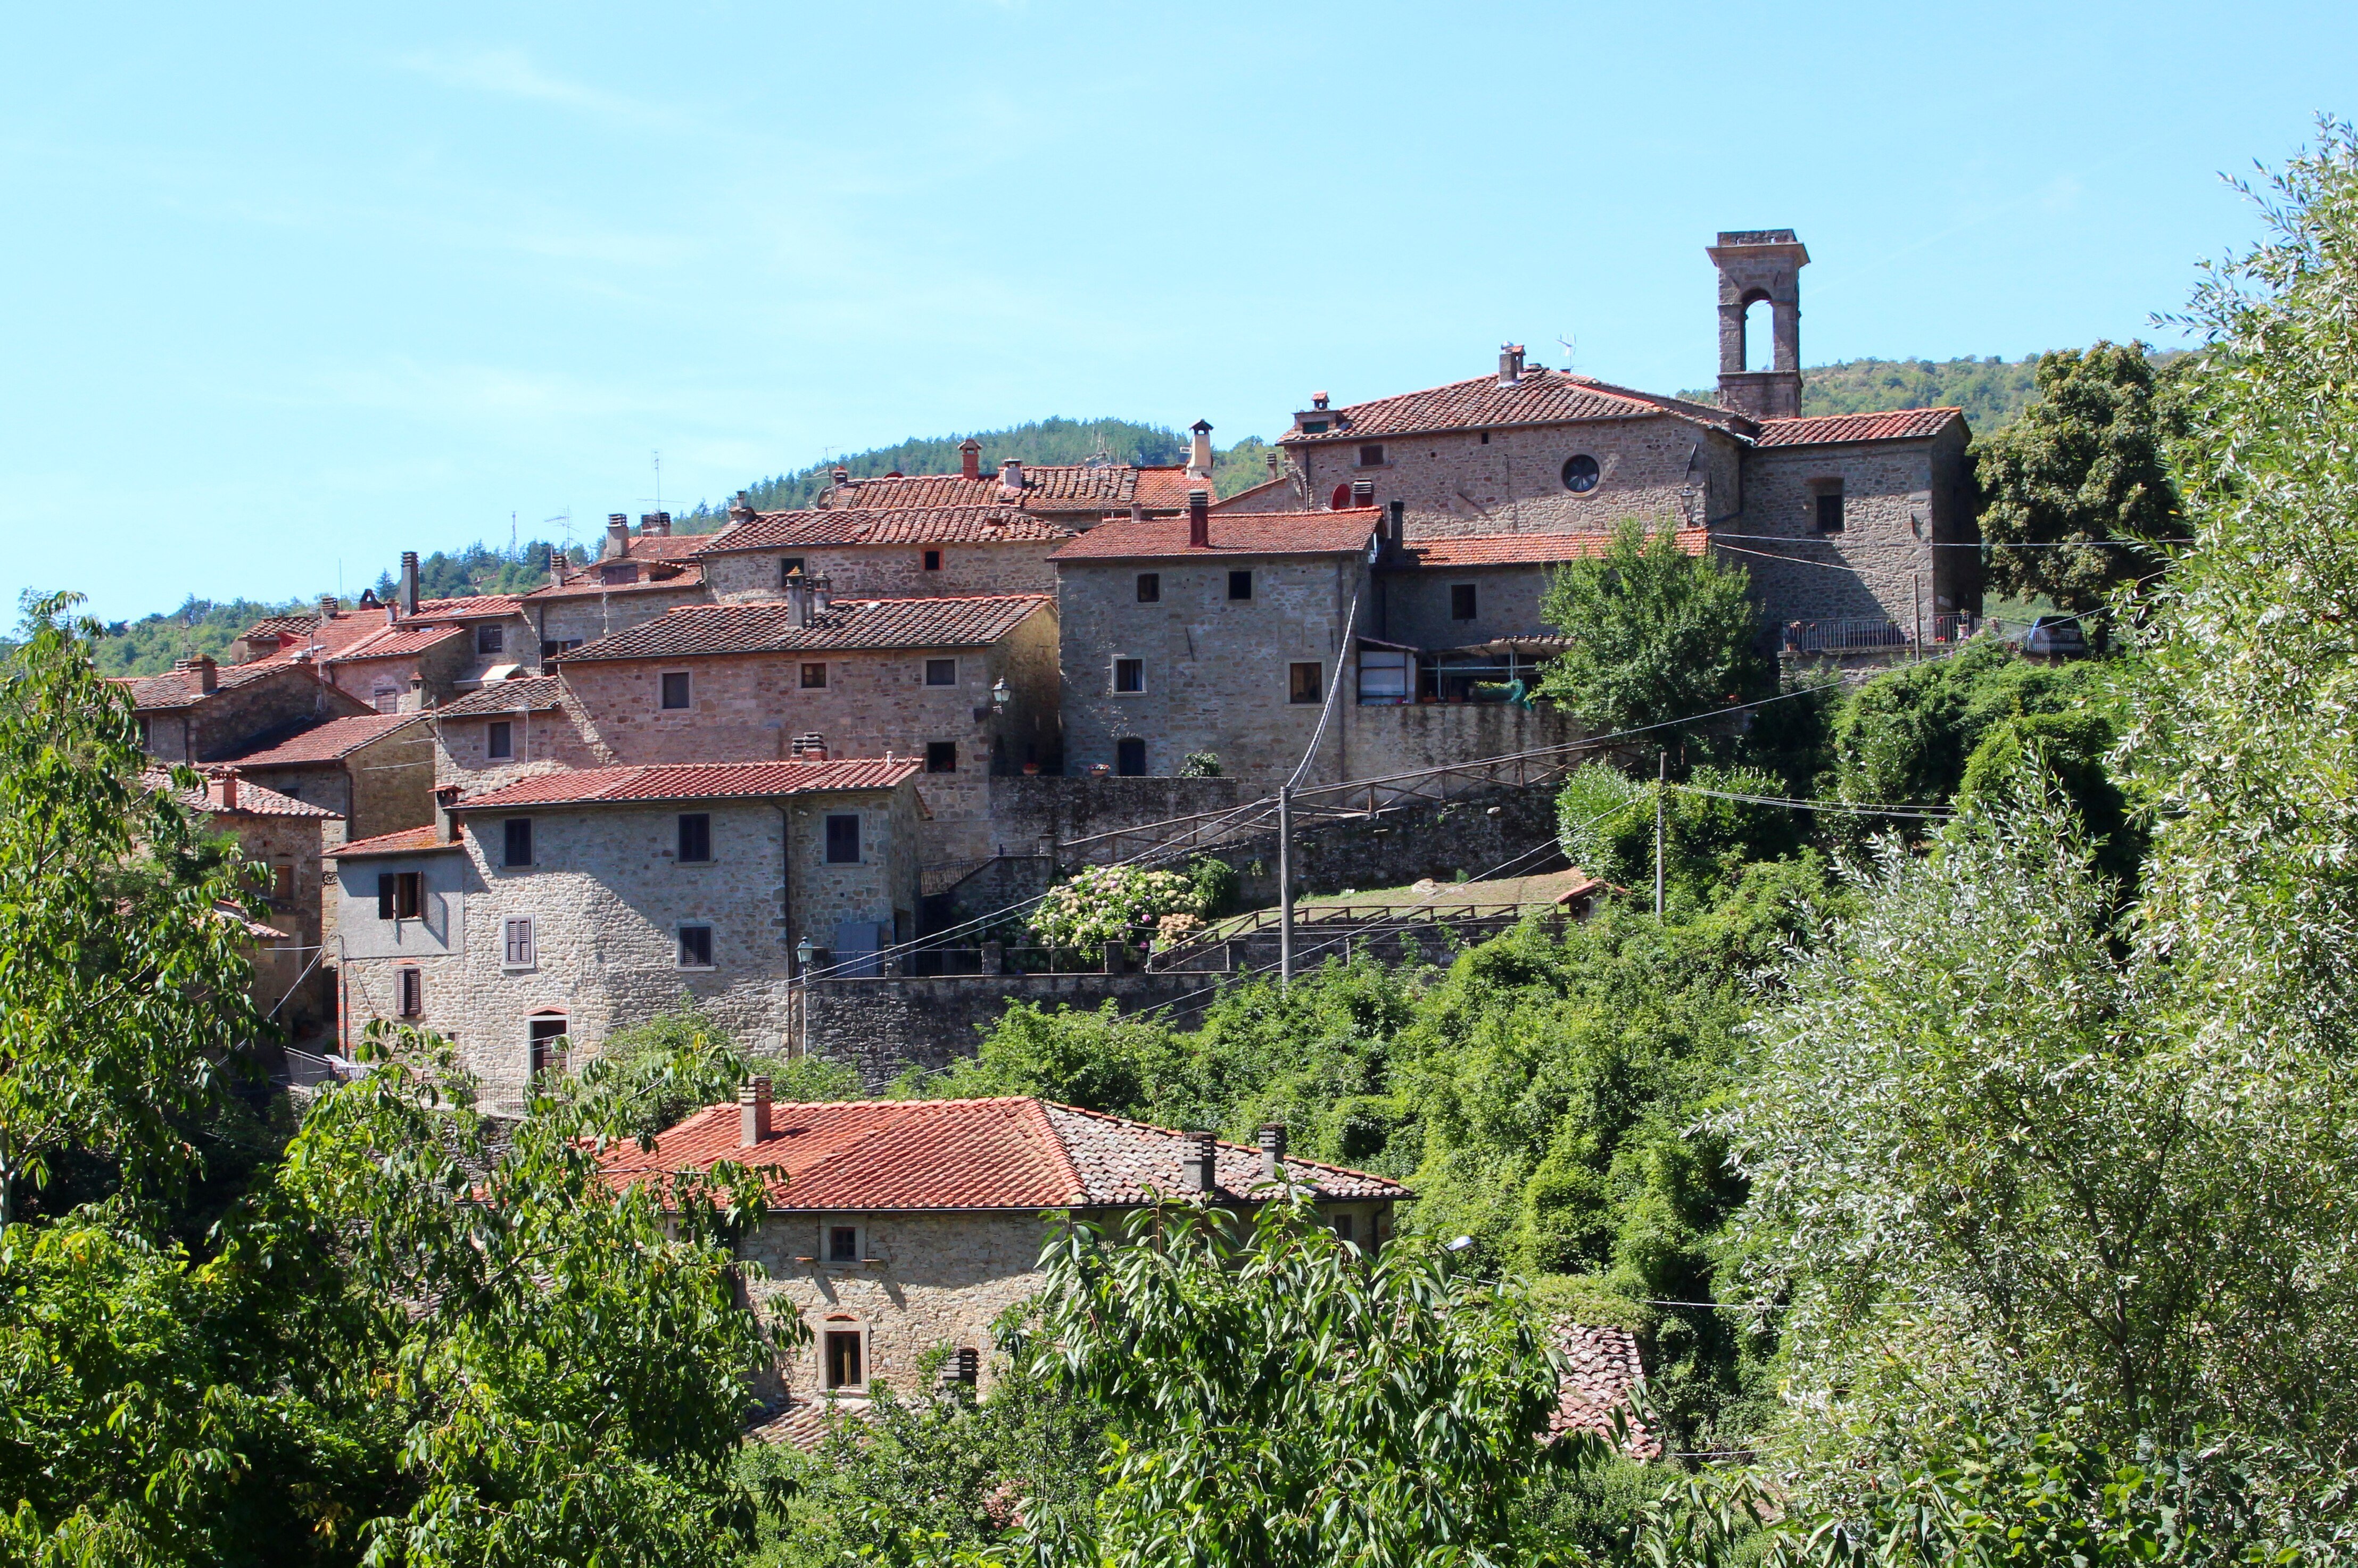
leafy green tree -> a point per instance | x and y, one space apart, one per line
1659 637
1607 826
1284 1398
2085 467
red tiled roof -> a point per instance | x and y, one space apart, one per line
1007 1153
1054 487
528 694
663 547
1541 398
903 525
1233 534
1516 549
345 628
324 742
252 800
1602 1374
467 607
403 640
695 781
770 627
427 841
1823 429
590 585
174 688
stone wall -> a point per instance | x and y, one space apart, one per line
1892 509
290 847
1414 606
887 1026
1473 837
545 740
590 615
227 722
890 571
1025 810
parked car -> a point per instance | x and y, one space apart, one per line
2056 637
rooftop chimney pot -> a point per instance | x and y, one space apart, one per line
1511 364
1199 451
754 1111
225 789
970 458
446 805
208 673
410 582
327 607
1363 492
1199 520
1317 400
1272 1150
741 507
1202 1171
617 536
1011 475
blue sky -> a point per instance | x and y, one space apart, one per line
287 291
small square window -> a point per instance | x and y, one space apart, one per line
675 690
789 568
843 1244
1150 587
399 895
518 947
932 560
1303 683
1240 585
517 849
1372 456
411 999
282 880
1461 601
941 672
695 837
1342 1227
499 739
1829 512
620 572
941 756
490 639
695 946
843 838
843 1367
1130 675
814 677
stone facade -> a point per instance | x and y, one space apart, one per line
182 722
1417 606
889 572
386 784
583 612
1908 525
886 1025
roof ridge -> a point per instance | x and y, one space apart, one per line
1076 1186
1292 1158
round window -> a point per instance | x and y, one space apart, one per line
1580 474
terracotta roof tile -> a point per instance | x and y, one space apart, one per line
328 742
403 640
427 841
695 781
528 693
252 800
467 607
1823 429
341 631
174 688
1514 549
590 585
663 547
1604 1374
1051 486
1541 398
1233 534
770 627
1006 1154
904 525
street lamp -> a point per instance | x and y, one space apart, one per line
999 694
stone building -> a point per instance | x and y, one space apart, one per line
634 580
1076 495
911 553
375 771
199 710
566 906
898 1227
513 730
965 685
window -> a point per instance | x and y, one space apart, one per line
399 895
843 1244
499 739
385 698
1130 675
1302 683
1830 507
843 838
1150 587
1342 1227
282 880
1372 456
932 560
695 946
1240 585
546 1037
941 756
1129 757
1383 677
674 689
814 677
695 837
409 988
1461 601
517 849
843 1367
969 1365
1580 474
556 646
941 672
620 572
490 639
789 568
517 952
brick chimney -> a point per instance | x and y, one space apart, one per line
842 475
1363 492
753 1113
1199 451
1397 533
1272 1150
1200 1170
1199 520
1011 476
970 458
1271 460
1511 364
556 565
741 508
617 536
822 594
798 598
327 607
810 748
654 524
410 582
224 790
446 808
203 673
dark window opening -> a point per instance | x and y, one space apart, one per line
517 849
843 1359
1485 437
941 672
1240 585
411 1000
694 836
547 1041
1303 683
1372 456
1829 512
941 756
675 690
1150 587
1343 1227
1461 601
619 573
932 560
499 739
843 1244
555 645
814 677
789 568
399 895
490 639
969 1365
843 839
1130 675
1580 474
282 880
695 946
1129 757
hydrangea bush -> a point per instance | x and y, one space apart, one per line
1105 903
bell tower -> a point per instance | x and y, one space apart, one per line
1755 265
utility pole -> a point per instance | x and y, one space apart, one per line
1285 886
1661 787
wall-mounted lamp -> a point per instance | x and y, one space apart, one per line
999 694
803 951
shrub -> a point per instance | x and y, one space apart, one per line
1105 903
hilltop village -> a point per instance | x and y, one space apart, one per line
808 745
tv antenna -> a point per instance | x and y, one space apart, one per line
1568 346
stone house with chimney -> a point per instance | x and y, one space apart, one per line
634 580
200 710
967 687
899 1227
1076 495
513 730
912 552
375 771
540 917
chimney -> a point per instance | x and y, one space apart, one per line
752 1111
1199 452
1363 492
617 536
1317 400
1271 460
1398 531
810 748
970 458
741 508
1199 520
1272 1150
410 582
1511 364
556 565
1011 476
446 807
327 607
842 475
205 673
822 593
225 789
798 598
1200 1172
